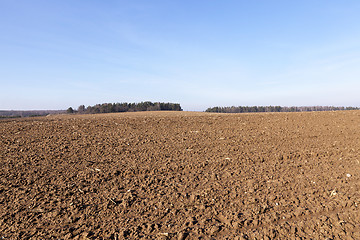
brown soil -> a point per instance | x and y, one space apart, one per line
181 175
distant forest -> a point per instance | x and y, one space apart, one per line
126 107
29 113
247 109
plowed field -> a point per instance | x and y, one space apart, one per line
181 175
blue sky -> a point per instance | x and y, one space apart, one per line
56 54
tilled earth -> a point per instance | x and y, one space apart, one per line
181 175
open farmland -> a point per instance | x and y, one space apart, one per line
181 175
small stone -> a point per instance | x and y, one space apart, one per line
214 229
333 193
181 236
68 236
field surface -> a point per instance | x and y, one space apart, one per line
181 175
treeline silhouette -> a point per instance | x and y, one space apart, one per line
126 107
247 109
28 113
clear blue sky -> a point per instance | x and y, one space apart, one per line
203 53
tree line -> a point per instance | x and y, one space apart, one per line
28 113
250 109
126 107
